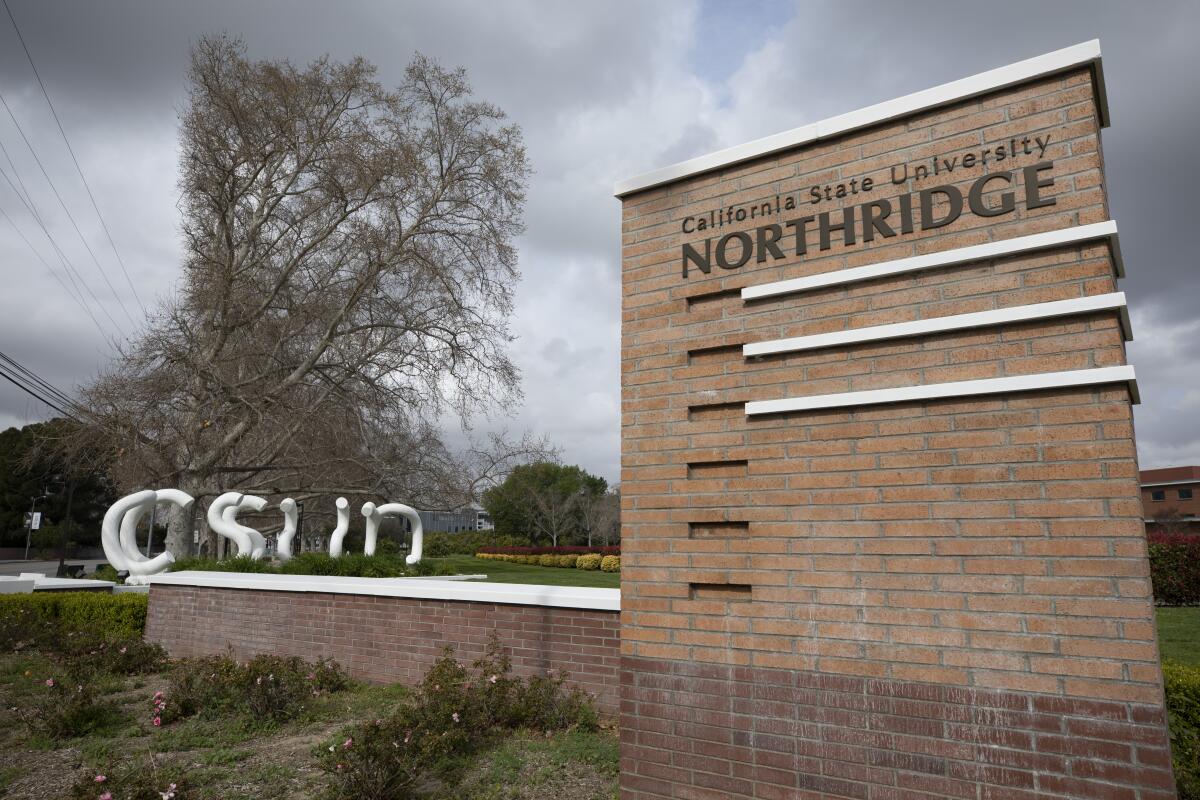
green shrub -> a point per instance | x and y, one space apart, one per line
235 564
265 689
547 561
111 616
350 565
1182 685
610 564
86 650
566 561
106 572
589 562
453 712
141 779
439 544
1174 568
67 706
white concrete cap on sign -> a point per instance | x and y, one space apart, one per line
1114 301
934 391
1086 54
947 258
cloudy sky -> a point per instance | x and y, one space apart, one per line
603 91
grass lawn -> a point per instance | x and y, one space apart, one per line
1179 635
506 572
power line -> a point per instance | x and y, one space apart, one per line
39 382
16 379
65 209
74 160
30 206
72 272
77 298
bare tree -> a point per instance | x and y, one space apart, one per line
601 514
348 278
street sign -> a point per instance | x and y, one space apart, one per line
33 520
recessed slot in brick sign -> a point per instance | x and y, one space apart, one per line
713 530
715 355
710 411
719 591
710 300
703 470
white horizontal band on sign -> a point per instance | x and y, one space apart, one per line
945 258
1086 54
956 322
935 391
508 593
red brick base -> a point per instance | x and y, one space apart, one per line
388 639
706 731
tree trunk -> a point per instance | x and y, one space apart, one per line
180 523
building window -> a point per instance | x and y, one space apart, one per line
1185 494
1158 495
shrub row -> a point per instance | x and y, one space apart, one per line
111 616
562 550
587 561
1175 568
1182 685
351 565
264 689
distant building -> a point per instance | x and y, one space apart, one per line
1171 498
467 518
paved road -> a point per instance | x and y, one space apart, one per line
48 568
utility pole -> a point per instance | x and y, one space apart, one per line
66 525
29 527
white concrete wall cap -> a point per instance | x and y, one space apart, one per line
508 593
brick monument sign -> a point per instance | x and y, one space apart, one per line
882 529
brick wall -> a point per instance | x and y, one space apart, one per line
387 639
938 599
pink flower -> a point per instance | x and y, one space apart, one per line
492 679
158 722
100 779
454 716
106 796
346 744
49 681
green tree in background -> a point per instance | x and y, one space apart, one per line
28 470
544 501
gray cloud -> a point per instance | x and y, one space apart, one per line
603 91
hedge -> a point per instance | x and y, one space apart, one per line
1182 685
561 550
1175 568
117 616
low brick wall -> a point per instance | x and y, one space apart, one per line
387 639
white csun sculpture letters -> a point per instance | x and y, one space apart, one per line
339 530
283 544
375 515
221 518
118 533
